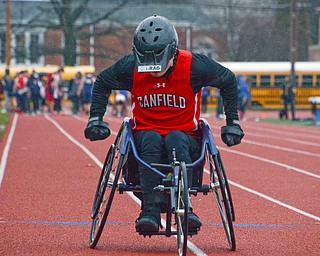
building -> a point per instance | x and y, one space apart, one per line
314 50
33 42
213 28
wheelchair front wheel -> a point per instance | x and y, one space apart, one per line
182 209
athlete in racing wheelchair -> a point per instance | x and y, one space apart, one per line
165 83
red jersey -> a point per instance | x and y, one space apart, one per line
21 82
49 89
167 103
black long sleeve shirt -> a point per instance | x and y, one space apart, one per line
204 72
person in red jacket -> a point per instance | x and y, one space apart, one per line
21 89
53 90
165 84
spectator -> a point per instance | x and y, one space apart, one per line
288 97
205 94
57 91
72 94
121 100
21 89
85 91
7 83
34 85
244 96
43 95
2 97
219 109
54 91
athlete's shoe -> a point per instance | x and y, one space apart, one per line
149 220
193 221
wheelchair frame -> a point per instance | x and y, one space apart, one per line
175 187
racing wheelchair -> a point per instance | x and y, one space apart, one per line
118 175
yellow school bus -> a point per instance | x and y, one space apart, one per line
15 69
67 75
70 71
267 79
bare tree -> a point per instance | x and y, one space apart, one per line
73 17
241 30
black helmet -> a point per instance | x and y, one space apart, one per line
155 41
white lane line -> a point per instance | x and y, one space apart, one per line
281 132
265 136
271 199
275 201
85 121
92 156
80 118
288 167
6 149
274 137
304 142
280 148
191 246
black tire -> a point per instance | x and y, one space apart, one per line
105 173
105 192
224 176
220 189
182 210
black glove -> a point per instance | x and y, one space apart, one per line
96 129
231 134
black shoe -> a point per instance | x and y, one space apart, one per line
149 220
194 222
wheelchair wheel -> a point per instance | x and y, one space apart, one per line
221 191
102 185
182 210
223 172
105 192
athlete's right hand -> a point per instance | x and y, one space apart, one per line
96 129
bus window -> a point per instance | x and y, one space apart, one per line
265 81
296 79
279 80
318 81
306 81
253 81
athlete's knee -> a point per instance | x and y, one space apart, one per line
176 139
149 142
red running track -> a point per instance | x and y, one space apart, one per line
50 174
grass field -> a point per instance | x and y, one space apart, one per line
303 122
4 119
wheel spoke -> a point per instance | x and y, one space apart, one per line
107 185
182 210
218 185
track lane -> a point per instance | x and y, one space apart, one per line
118 120
221 235
250 236
192 247
57 198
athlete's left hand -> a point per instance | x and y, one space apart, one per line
232 134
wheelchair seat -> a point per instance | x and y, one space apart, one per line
131 166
